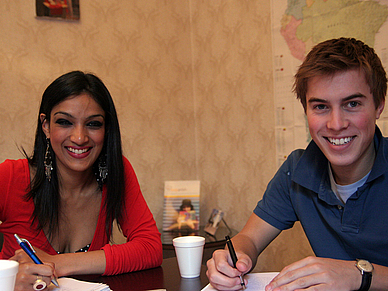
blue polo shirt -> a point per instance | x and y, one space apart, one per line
301 191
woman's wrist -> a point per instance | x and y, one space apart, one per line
68 264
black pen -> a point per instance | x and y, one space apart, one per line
27 247
234 257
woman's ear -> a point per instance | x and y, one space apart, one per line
45 125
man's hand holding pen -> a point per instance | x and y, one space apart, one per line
223 276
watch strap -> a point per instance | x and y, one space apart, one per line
366 281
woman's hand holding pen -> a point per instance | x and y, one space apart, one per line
29 271
221 273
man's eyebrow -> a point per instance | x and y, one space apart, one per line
315 99
356 95
320 100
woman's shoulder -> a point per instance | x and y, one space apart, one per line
125 160
127 165
15 165
15 170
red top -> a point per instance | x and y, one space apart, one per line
142 250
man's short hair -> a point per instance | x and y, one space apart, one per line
338 55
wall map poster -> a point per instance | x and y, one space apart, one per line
299 25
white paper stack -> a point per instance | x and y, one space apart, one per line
69 284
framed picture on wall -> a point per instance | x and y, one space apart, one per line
58 9
181 206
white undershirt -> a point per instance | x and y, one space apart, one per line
343 192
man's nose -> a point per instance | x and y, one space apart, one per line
337 120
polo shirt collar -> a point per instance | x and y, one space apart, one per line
311 171
381 163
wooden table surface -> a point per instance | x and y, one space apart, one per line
165 277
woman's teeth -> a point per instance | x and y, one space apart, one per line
77 151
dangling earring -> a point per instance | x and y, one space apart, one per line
48 163
102 170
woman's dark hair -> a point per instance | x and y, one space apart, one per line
45 193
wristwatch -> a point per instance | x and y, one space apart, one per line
366 269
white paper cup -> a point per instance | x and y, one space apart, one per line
189 251
8 271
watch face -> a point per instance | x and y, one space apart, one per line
365 265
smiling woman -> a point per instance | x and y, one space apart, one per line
65 197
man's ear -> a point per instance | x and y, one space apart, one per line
45 125
380 109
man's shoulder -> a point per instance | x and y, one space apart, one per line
306 156
296 154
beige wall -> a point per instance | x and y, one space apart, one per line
192 82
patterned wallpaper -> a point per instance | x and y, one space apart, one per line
192 83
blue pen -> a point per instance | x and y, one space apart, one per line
27 247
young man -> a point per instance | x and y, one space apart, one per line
337 188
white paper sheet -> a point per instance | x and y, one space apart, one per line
256 281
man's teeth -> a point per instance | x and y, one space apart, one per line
339 141
77 151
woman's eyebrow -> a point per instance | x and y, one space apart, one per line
71 116
64 113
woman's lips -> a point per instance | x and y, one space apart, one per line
79 152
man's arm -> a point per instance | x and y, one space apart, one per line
255 237
249 243
326 274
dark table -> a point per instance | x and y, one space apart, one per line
165 277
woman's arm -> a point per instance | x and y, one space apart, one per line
92 262
64 264
143 248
